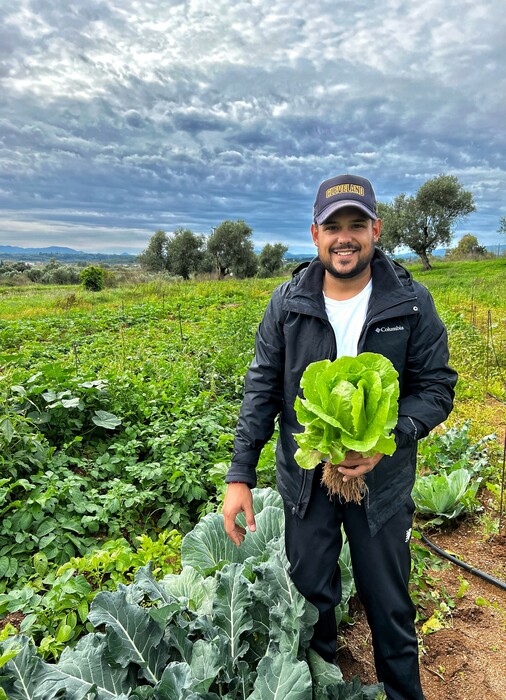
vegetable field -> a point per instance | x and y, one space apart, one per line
118 410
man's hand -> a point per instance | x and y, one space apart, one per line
355 465
238 499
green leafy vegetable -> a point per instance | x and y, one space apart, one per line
348 404
445 495
104 419
241 633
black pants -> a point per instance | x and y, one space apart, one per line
381 569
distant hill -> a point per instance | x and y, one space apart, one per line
63 254
52 249
70 255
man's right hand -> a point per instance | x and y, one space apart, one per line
238 499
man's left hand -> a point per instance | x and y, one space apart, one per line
355 465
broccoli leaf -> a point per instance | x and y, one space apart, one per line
282 676
242 632
132 634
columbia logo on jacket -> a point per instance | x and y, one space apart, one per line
389 329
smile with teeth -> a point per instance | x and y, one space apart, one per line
343 252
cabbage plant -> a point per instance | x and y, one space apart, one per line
445 496
230 626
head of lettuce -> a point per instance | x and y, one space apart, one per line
349 404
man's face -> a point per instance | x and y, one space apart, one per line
346 242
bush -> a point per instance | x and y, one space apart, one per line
467 248
93 278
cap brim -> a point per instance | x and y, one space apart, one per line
335 206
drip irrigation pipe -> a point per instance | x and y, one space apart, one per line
467 567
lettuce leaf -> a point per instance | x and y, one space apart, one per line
348 404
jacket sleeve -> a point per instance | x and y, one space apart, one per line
429 380
263 395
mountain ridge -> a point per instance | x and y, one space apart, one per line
52 249
63 254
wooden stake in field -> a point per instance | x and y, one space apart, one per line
501 507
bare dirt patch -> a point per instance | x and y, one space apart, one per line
465 660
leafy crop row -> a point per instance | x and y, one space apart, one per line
230 625
112 424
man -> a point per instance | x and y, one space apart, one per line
350 299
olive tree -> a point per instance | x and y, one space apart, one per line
390 237
270 259
232 250
467 247
426 220
185 251
155 257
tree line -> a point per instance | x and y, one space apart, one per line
227 251
421 222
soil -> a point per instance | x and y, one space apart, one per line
466 658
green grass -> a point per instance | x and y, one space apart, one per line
39 301
117 327
471 298
478 282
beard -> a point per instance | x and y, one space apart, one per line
361 265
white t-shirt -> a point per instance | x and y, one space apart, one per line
347 318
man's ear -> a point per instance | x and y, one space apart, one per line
376 229
314 234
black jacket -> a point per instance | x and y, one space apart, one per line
401 324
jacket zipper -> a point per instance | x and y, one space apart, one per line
414 426
296 507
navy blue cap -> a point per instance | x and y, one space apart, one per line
344 191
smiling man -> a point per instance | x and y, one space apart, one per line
350 299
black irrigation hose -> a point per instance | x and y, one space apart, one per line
467 567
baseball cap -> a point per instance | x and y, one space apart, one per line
344 191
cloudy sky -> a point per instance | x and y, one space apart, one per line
121 118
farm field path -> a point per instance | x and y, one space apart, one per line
466 659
